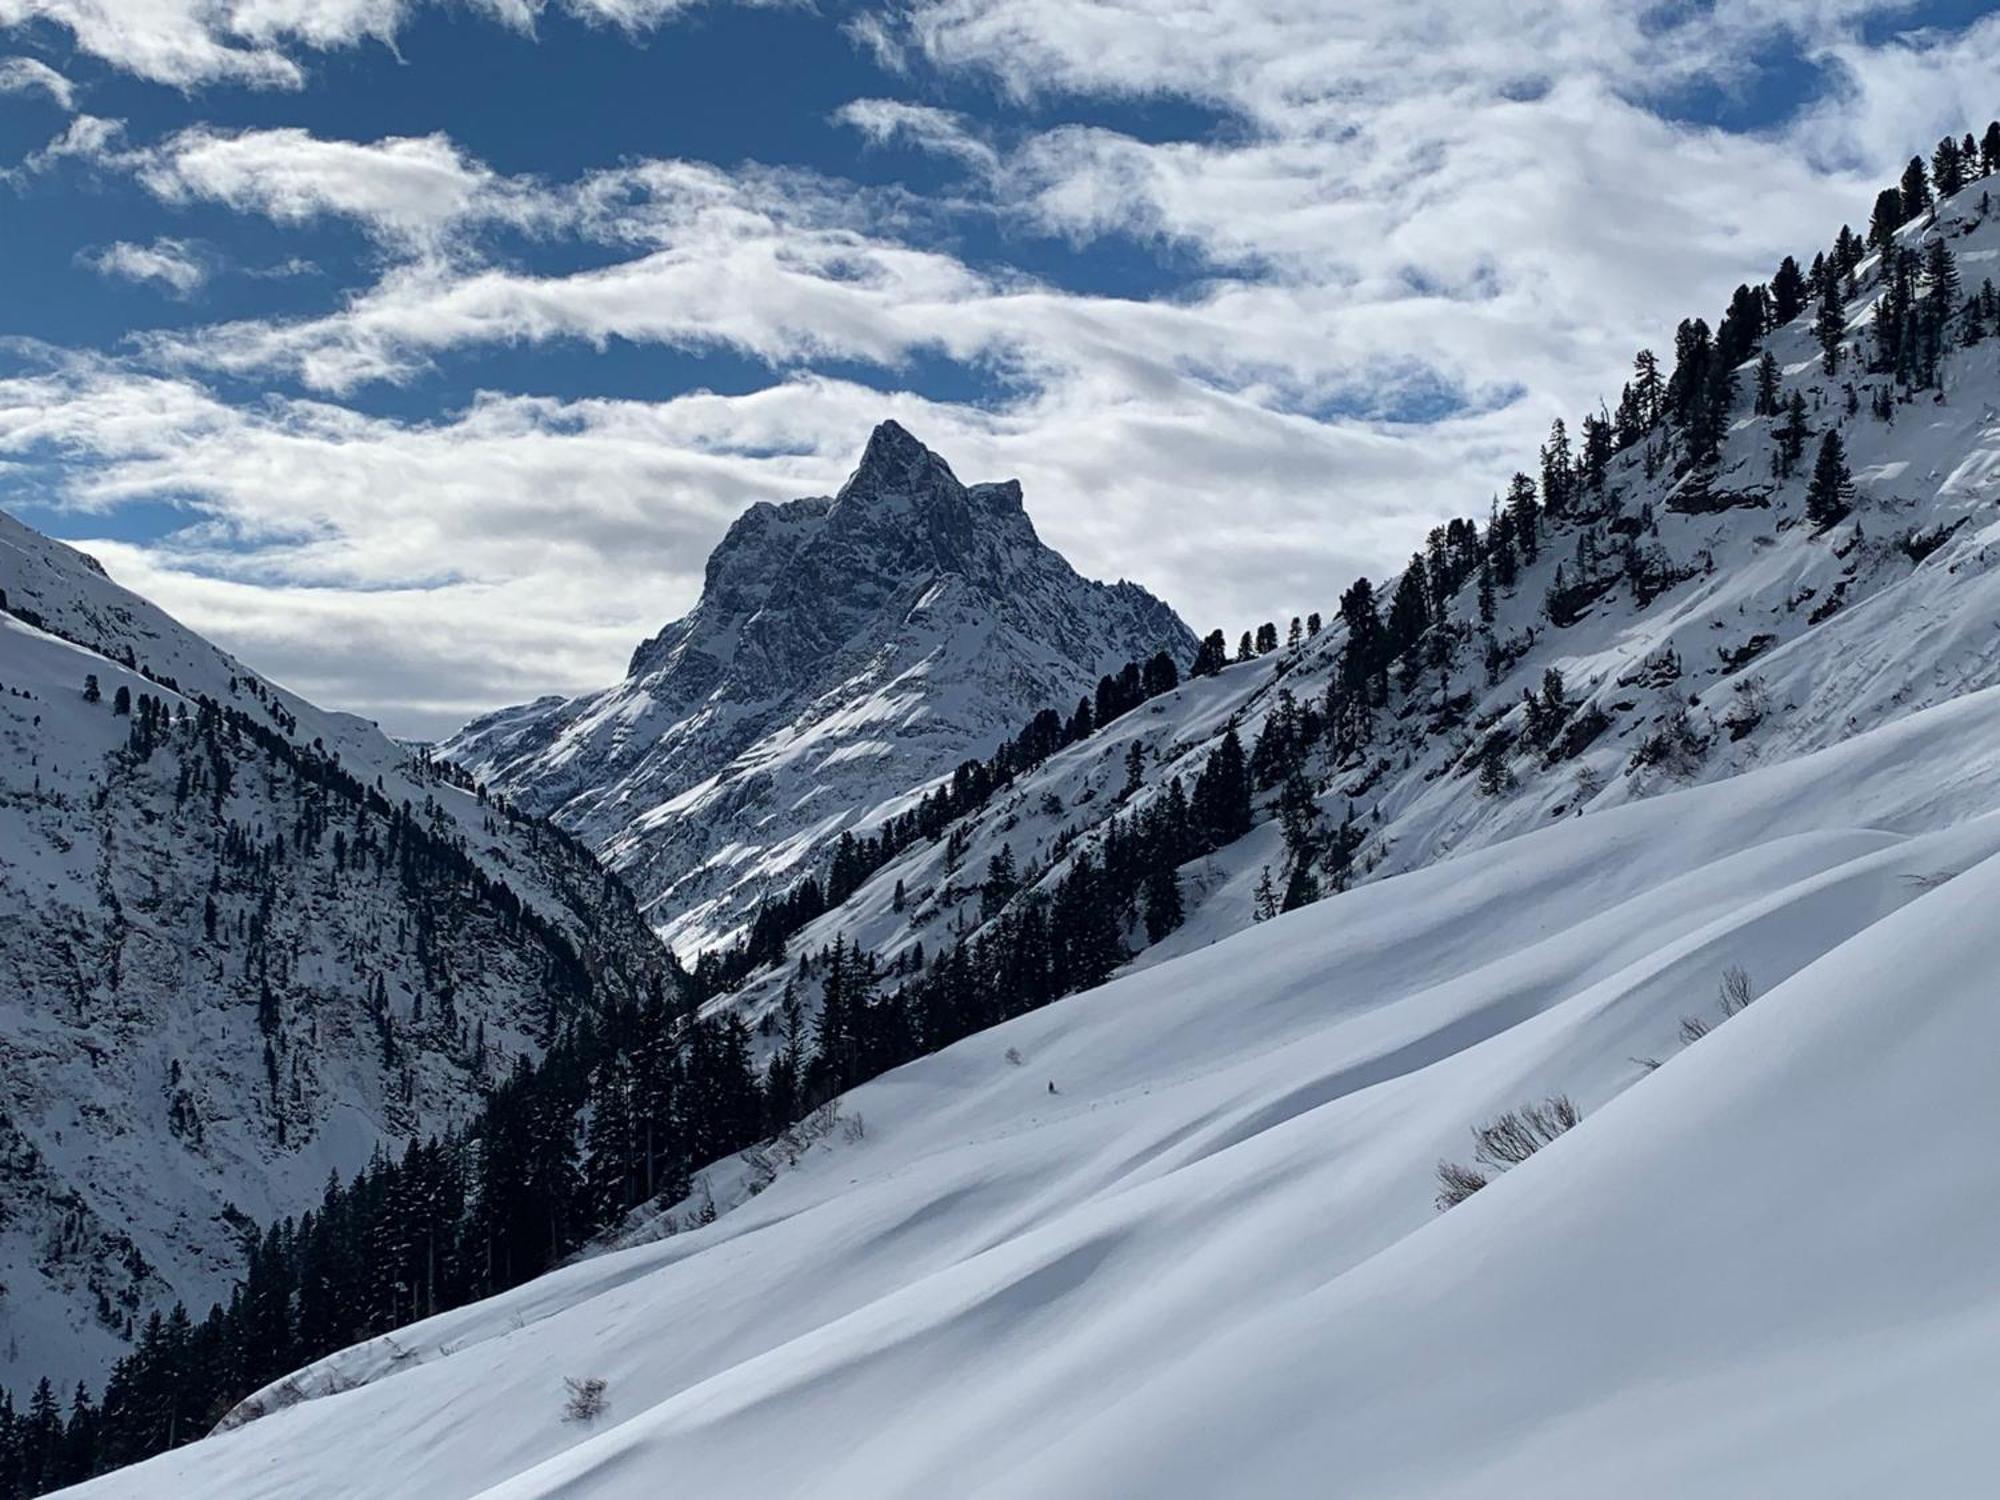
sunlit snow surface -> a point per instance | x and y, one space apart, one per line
1210 1264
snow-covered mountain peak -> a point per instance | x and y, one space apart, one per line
844 653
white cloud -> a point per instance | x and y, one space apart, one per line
24 75
87 138
174 264
260 43
1409 208
925 126
404 189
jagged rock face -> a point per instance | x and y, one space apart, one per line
242 944
845 651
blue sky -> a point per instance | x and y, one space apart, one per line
419 352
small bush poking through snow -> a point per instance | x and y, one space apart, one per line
1732 995
1456 1183
1520 1133
585 1402
1505 1142
1735 992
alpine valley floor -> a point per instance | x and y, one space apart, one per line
1210 1262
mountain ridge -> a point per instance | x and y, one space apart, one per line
250 941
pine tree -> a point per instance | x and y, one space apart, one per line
1522 507
1989 150
1788 292
1948 167
1409 611
1941 285
1888 217
1163 903
1766 404
1212 657
1364 657
1829 495
1830 326
1791 436
1915 189
1221 802
1556 468
1264 904
91 692
1647 387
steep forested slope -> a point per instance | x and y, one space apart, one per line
246 943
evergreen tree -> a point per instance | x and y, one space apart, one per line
1788 292
1409 611
1830 326
1364 657
1212 656
1163 903
1791 435
1829 495
1915 189
1887 218
1221 801
1648 390
1766 404
1556 469
1522 507
1948 167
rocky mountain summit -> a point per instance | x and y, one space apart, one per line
845 652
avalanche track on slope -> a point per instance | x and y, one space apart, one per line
1210 1263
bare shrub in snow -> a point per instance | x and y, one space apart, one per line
853 1128
1735 991
1693 1029
1504 1142
1519 1133
1931 881
1013 1055
585 1401
1456 1183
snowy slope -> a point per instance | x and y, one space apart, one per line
1775 641
164 1082
844 652
1210 1264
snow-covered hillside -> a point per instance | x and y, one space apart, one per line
245 942
844 652
1209 1262
1709 629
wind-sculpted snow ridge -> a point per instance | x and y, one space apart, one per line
844 653
1208 1262
245 942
